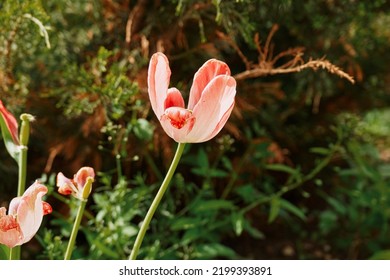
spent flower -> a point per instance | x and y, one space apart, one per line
79 186
25 215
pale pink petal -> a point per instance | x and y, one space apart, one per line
177 123
14 205
213 109
30 210
65 185
174 99
159 75
221 123
80 178
209 70
10 233
11 123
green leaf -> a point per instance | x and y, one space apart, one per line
275 208
248 193
203 159
214 250
337 205
381 255
320 151
185 223
254 232
282 168
192 235
102 247
292 208
143 130
238 221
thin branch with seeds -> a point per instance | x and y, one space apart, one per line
267 61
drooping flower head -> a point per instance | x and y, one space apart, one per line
77 185
25 215
211 100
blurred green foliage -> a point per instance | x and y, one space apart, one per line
301 170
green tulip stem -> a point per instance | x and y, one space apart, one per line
14 253
156 201
80 212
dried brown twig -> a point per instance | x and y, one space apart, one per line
267 61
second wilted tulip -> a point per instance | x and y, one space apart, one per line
76 186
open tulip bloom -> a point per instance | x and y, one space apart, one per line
211 100
24 217
210 104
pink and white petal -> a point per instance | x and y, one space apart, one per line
213 108
177 134
47 209
30 210
80 178
14 205
174 99
65 185
221 123
10 233
208 71
159 75
10 122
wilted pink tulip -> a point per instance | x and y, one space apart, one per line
24 217
10 122
76 185
211 100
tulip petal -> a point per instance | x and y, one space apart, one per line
221 123
174 99
9 129
80 178
30 210
65 185
159 75
213 109
177 132
10 122
10 233
208 71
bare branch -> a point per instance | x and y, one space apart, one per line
267 60
312 64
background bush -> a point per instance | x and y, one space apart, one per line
301 170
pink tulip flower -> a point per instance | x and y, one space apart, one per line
10 122
211 100
24 217
76 185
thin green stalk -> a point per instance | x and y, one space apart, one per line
22 173
156 201
83 197
24 134
14 253
76 226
